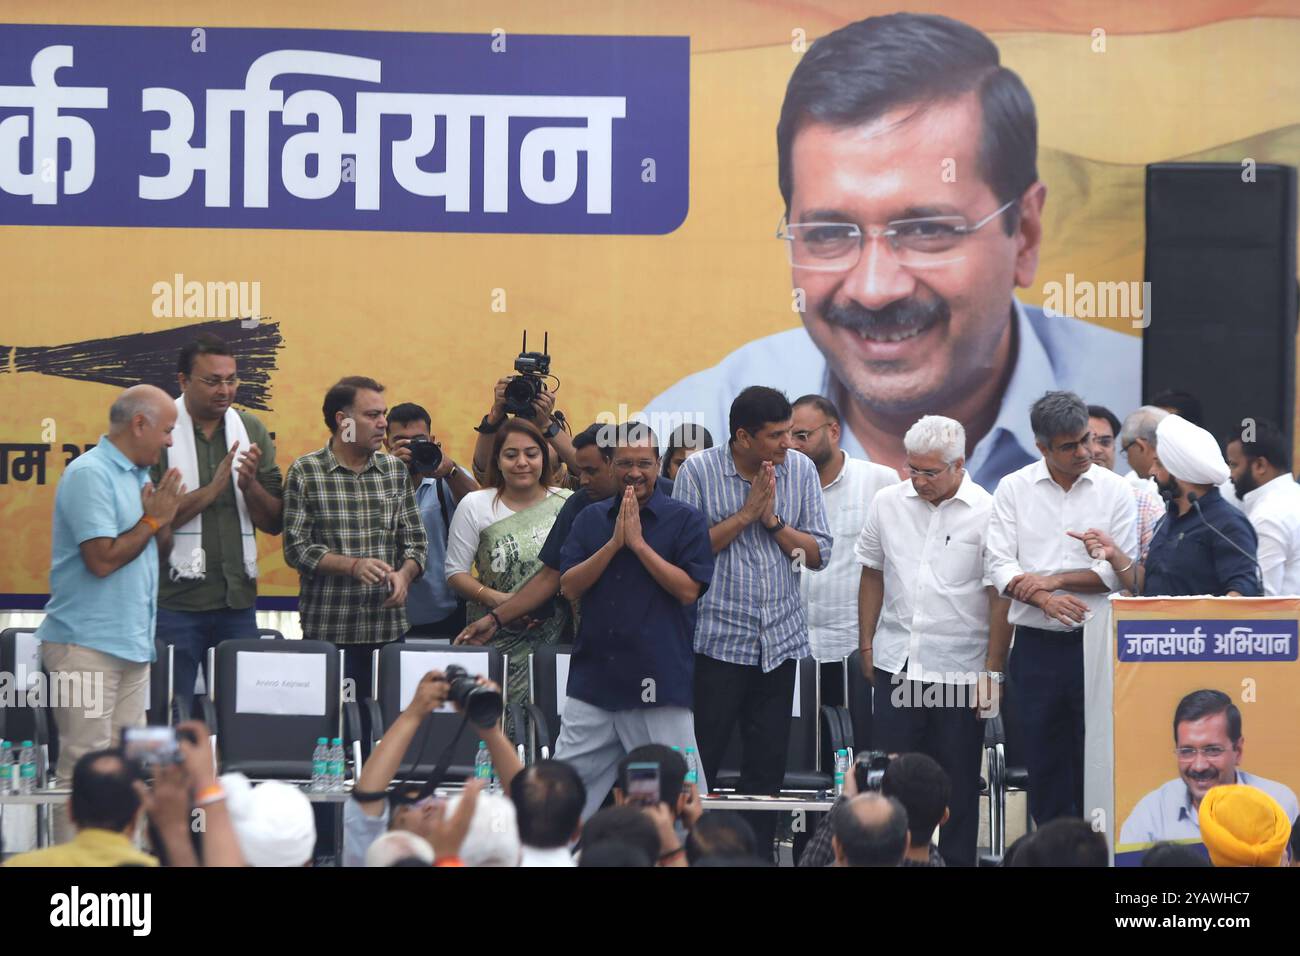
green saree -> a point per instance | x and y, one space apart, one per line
506 558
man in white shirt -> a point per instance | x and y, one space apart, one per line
830 599
1261 478
1056 585
1208 744
923 613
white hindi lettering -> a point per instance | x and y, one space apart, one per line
329 142
45 127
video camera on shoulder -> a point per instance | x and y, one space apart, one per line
523 389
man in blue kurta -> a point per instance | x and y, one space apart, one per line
639 563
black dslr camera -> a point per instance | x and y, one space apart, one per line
527 385
869 769
426 456
481 704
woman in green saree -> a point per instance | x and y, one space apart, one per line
498 532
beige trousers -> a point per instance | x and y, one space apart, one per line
114 693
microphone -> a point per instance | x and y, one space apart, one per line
1193 499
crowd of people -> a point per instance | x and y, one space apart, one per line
689 578
692 571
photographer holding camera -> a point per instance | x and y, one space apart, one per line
364 821
432 608
525 396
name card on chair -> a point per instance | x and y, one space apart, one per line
561 683
287 685
415 664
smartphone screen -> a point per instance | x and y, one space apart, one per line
643 783
149 747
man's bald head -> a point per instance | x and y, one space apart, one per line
146 400
871 830
140 423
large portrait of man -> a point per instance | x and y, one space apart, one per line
1209 745
907 159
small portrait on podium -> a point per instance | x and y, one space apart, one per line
1205 695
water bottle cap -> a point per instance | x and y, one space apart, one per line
482 745
322 740
690 750
27 743
338 740
675 747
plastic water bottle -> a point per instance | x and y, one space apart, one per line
336 765
841 770
6 766
26 768
692 768
320 766
483 769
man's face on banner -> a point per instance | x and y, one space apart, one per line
921 335
1206 756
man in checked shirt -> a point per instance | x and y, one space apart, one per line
353 531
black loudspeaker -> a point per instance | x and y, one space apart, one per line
1221 260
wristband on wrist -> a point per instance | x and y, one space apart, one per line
154 524
209 795
485 427
1125 570
352 571
481 589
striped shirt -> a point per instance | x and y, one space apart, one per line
752 613
330 509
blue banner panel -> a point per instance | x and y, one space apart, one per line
1207 640
325 129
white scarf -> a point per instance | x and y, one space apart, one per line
187 559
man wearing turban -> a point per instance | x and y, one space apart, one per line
1243 826
1205 550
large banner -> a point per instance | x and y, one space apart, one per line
401 189
1203 693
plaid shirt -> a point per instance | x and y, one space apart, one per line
752 613
330 509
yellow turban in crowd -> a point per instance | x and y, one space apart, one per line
1243 826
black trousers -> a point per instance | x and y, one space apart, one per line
358 667
1045 678
936 720
449 626
727 695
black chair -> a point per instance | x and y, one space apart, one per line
545 668
275 746
389 696
20 654
1006 769
165 708
803 770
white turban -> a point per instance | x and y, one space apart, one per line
273 822
1190 452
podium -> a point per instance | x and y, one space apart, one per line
1142 658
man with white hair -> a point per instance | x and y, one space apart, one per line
1204 545
111 527
1137 440
395 846
493 835
924 615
